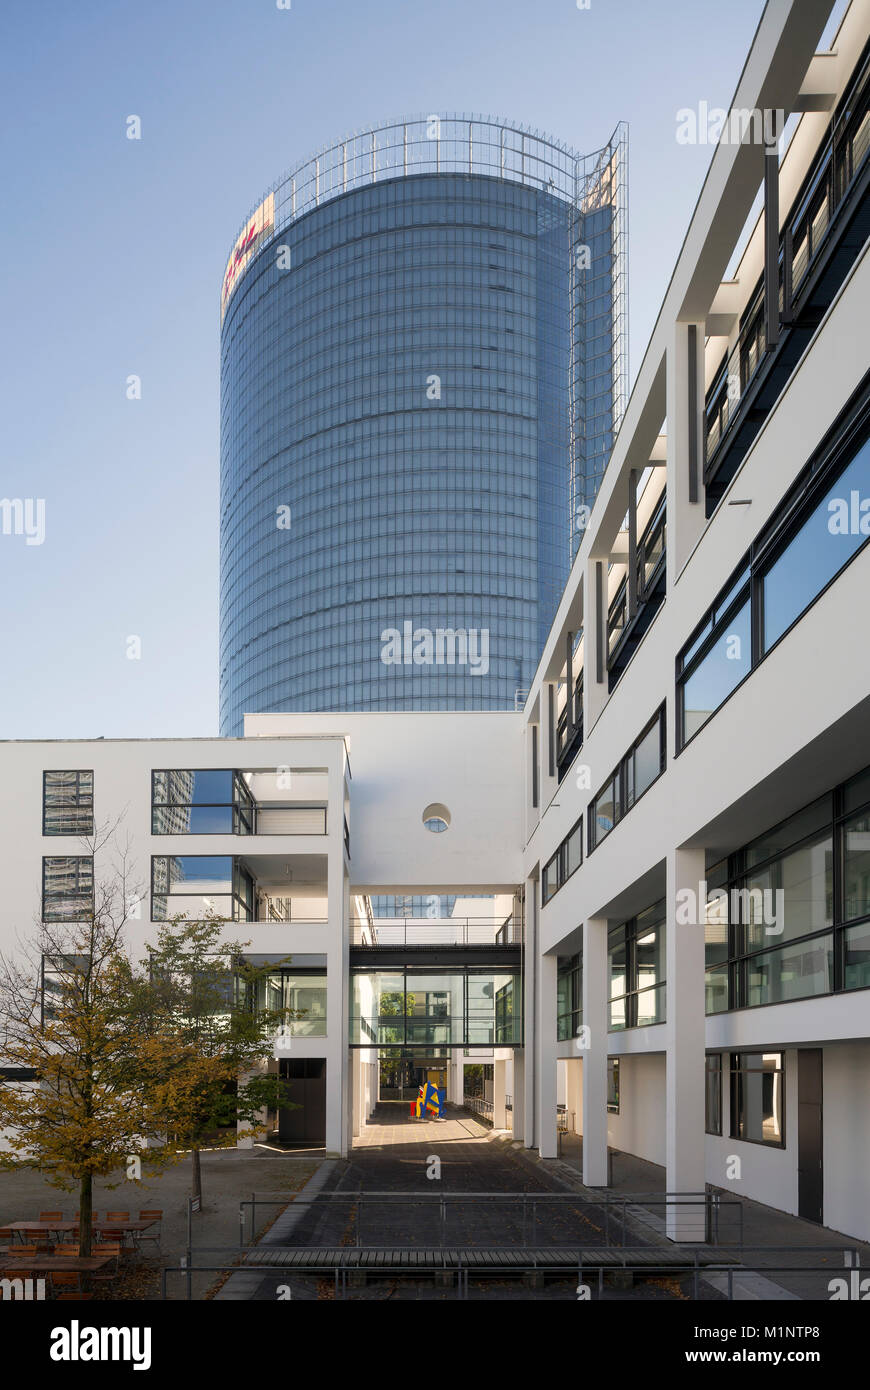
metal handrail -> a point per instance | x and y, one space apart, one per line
439 931
456 1259
611 1208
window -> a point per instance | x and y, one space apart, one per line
817 530
67 803
713 1093
651 550
836 528
193 885
772 923
209 801
569 997
67 888
723 663
636 970
613 1085
642 764
62 983
758 1098
302 994
563 864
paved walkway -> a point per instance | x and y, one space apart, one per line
414 1163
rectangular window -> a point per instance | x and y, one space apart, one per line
67 888
613 1085
208 801
725 660
194 885
62 983
569 997
563 864
636 970
68 803
642 765
819 527
832 534
301 994
713 1093
758 1098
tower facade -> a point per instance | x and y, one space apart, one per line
422 368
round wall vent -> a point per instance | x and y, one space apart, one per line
436 818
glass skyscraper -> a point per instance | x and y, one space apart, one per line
422 369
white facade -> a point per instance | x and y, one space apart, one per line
515 785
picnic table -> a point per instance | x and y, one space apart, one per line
59 1264
46 1227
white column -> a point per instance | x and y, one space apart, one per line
685 1032
499 1089
594 1053
339 1122
685 518
519 1093
526 1059
545 1058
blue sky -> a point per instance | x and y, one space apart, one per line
115 249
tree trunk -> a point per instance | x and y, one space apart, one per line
86 1207
196 1176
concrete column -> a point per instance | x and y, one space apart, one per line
499 1088
685 448
525 1060
358 1068
685 1032
594 1053
545 1058
519 1093
339 1108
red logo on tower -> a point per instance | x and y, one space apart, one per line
257 230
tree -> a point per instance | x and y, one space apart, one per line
64 1006
197 992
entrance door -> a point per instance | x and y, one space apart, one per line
306 1079
810 1174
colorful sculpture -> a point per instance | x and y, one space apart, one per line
430 1101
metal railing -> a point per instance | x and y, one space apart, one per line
479 1105
517 1218
438 931
458 1267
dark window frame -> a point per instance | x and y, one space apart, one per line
633 929
558 862
833 820
828 462
237 897
736 1090
613 1086
56 895
83 800
713 1068
241 804
619 779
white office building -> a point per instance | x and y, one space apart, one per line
645 896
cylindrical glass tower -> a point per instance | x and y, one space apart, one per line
422 367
